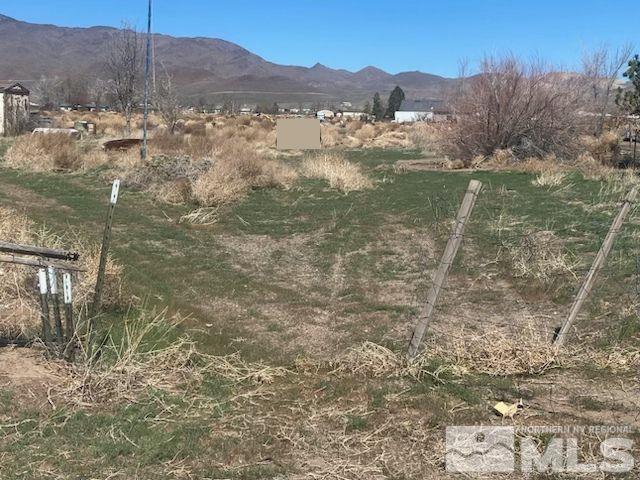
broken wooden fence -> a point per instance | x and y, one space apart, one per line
50 263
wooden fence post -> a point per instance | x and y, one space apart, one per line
441 274
589 280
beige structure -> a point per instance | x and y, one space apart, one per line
14 109
298 134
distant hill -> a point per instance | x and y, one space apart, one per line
203 68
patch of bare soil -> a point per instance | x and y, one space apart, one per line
574 398
28 375
281 261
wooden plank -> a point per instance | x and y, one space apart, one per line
38 262
54 253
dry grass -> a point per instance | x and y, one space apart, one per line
19 307
150 353
605 149
617 359
523 349
495 352
238 168
549 179
373 360
52 152
201 216
334 168
533 254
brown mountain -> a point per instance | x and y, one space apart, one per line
203 68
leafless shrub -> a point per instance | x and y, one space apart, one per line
601 68
165 100
334 168
512 105
365 132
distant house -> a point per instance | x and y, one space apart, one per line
417 111
355 114
322 114
14 109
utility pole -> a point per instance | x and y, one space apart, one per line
143 151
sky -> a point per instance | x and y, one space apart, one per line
395 35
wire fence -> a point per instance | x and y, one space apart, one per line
546 259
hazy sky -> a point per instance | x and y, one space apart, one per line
396 35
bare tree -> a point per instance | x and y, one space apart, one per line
601 68
527 107
123 65
75 90
47 92
98 91
166 102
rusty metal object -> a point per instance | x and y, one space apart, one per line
121 144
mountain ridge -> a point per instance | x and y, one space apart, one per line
203 68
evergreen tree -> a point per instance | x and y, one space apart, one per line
395 101
378 109
367 108
629 100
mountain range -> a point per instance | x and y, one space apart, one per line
203 69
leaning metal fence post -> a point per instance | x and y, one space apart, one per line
104 252
44 304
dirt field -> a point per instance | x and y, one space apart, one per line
296 306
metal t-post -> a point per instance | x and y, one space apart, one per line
44 305
53 291
104 252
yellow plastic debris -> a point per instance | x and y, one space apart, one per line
508 409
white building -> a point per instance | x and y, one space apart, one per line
417 111
14 109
